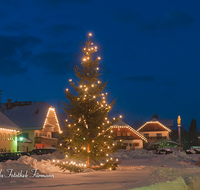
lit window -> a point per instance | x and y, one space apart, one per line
4 136
128 133
0 136
124 134
118 133
13 137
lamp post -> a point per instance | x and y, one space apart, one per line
180 147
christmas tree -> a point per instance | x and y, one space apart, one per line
90 135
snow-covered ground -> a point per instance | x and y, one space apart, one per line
139 170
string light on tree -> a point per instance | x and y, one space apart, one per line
86 132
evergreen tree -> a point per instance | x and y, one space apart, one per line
90 136
193 133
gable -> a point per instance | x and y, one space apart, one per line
153 126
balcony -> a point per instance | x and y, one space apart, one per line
123 138
156 138
46 140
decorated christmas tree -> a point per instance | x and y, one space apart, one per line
90 135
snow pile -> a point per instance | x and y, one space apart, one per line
165 174
173 179
54 155
178 184
138 153
44 166
180 156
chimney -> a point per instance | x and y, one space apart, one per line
9 104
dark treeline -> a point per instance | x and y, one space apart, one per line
188 138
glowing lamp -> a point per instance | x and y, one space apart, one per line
99 58
21 138
90 34
70 80
120 116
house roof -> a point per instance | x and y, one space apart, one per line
6 123
121 124
165 122
152 122
29 117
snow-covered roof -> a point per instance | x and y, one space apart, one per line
165 122
29 117
120 123
6 123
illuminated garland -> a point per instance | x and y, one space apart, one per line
157 122
45 122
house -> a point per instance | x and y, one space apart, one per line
8 134
38 121
156 129
127 136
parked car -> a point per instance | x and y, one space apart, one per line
163 151
41 151
193 151
9 156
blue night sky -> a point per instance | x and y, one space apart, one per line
150 53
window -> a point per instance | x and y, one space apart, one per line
36 134
9 137
156 127
128 133
124 133
0 136
49 135
135 144
149 127
118 133
146 135
159 134
13 137
4 136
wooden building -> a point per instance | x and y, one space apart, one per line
127 136
154 130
